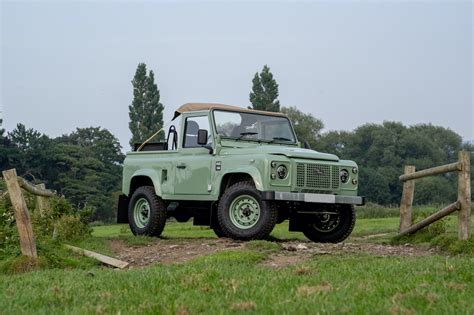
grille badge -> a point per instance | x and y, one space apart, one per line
319 172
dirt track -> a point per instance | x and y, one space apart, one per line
172 251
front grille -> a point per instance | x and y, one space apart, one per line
317 176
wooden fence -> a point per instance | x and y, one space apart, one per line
463 204
23 221
22 215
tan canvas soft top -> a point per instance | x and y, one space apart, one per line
191 107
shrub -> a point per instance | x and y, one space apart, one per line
71 227
451 244
434 229
61 212
8 233
63 219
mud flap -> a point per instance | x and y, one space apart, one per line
213 217
296 224
122 209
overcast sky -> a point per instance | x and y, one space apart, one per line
68 65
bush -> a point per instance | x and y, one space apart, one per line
62 219
61 212
71 227
451 244
8 233
434 229
437 230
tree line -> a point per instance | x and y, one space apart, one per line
86 165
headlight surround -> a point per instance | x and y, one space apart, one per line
282 172
344 176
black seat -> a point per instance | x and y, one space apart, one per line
192 128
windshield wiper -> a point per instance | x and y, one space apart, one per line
247 133
280 139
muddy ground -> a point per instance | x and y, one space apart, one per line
171 251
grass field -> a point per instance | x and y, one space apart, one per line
184 230
236 281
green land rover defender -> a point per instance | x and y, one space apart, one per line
240 172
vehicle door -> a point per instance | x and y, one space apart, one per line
193 167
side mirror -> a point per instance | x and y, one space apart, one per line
202 137
306 145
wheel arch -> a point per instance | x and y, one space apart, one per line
232 177
144 177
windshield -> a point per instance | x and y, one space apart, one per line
253 127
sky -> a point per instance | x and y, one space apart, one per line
70 64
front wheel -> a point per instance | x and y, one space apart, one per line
331 226
146 212
243 215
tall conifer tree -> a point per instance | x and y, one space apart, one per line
146 111
264 91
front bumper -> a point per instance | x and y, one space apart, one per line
313 198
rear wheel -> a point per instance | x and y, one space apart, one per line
146 212
242 214
331 226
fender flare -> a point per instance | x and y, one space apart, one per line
152 174
251 171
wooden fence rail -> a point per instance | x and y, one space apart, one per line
463 204
23 221
22 215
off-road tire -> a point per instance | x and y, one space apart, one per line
218 231
157 214
339 233
265 223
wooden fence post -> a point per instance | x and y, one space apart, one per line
43 202
464 195
22 216
407 200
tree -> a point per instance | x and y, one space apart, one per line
2 131
264 91
307 127
32 151
381 151
146 111
101 142
85 166
90 163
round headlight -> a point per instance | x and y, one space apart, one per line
354 170
344 175
282 172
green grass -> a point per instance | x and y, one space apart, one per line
233 281
187 230
372 211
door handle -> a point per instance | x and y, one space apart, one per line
182 166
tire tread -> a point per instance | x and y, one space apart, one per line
157 218
333 236
268 225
